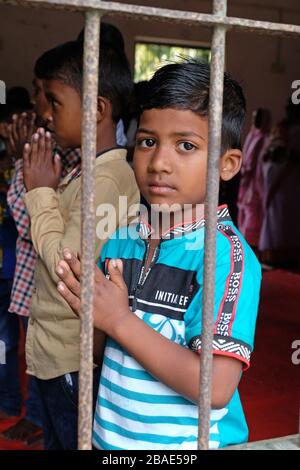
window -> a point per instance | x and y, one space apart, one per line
151 56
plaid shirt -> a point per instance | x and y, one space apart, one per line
23 284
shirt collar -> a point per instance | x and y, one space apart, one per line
76 171
145 229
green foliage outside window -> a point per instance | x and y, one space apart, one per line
150 57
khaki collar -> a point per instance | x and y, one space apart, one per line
116 153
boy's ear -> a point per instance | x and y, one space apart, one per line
230 164
103 108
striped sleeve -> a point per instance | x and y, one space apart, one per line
236 299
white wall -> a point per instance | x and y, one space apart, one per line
26 33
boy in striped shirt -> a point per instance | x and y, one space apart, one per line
148 291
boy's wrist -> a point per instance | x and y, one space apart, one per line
40 199
121 326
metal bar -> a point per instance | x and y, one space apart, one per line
298 443
163 14
90 92
278 443
211 203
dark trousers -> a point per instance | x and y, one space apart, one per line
59 403
10 389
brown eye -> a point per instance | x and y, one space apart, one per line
187 146
146 143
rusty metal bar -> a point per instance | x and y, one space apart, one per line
90 92
163 14
211 203
298 443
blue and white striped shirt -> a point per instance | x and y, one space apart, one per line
136 411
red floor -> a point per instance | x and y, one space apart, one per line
17 445
270 388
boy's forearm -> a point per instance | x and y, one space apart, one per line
175 366
47 226
51 233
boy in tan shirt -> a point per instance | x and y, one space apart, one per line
52 344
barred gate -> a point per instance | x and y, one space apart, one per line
220 23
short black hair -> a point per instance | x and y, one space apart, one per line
65 63
262 119
110 36
18 98
17 101
185 86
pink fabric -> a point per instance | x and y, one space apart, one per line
250 198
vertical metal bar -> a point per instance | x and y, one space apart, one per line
299 431
211 203
90 92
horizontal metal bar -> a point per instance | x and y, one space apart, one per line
277 443
162 14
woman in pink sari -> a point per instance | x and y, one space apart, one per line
250 197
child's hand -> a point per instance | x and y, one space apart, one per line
20 132
39 167
110 296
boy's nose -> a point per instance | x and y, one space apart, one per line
160 161
49 123
45 113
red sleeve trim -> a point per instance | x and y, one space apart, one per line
245 363
226 346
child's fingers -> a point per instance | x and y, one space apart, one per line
22 127
34 148
10 137
115 264
26 156
31 125
67 276
14 127
75 265
69 297
72 261
48 148
48 144
115 268
42 145
57 165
